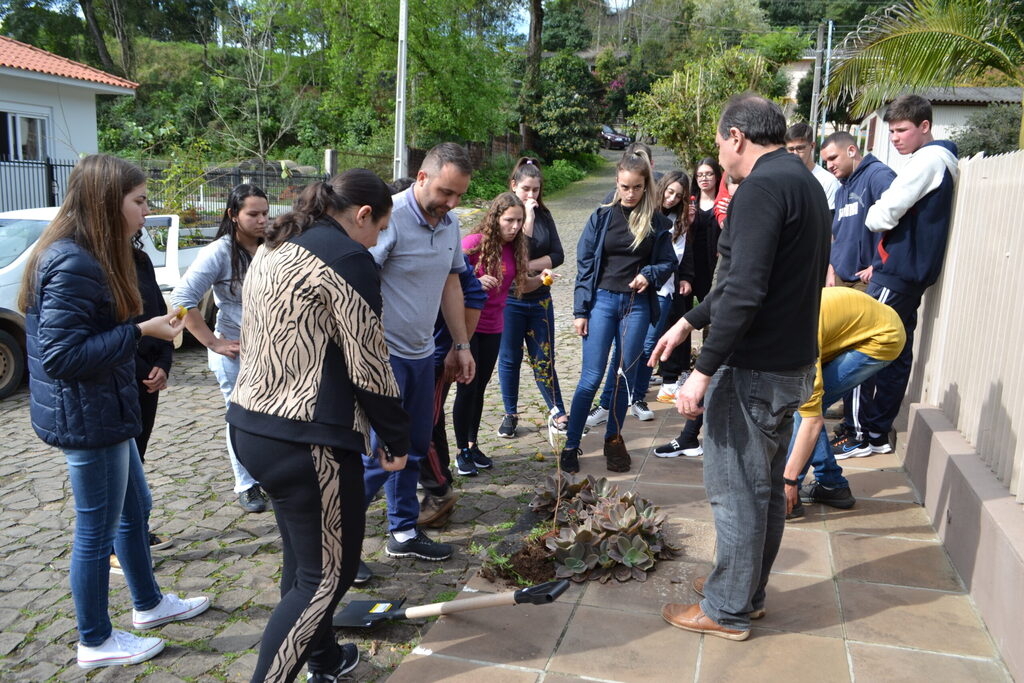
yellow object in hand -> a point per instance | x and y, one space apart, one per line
182 312
547 279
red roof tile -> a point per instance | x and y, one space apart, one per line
18 55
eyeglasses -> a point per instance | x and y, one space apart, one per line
705 175
798 149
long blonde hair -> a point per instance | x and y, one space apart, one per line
91 215
640 219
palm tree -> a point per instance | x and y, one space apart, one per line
918 44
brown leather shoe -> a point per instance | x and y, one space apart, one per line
615 454
692 618
698 587
435 510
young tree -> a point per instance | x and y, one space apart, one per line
925 43
257 99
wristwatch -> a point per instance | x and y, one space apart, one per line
462 347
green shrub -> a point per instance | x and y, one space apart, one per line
491 180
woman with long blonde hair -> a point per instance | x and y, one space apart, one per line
498 251
79 294
624 255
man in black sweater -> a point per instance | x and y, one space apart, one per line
757 366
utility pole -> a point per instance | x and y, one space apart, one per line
816 92
828 75
400 157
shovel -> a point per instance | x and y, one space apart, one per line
364 613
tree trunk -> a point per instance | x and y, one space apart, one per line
97 34
531 94
124 39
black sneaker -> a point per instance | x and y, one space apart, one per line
569 460
464 463
838 498
479 459
253 499
797 511
507 430
349 660
848 446
675 448
879 444
157 543
421 547
363 574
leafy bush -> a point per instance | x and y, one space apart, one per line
491 180
993 130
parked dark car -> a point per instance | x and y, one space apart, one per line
613 139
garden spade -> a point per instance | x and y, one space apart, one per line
363 613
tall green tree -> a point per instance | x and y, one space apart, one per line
682 110
460 84
928 43
566 28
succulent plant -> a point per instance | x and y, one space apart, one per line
602 534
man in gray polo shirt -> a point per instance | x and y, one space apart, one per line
420 256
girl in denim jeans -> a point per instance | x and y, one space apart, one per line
624 255
529 313
80 293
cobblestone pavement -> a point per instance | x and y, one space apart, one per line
235 557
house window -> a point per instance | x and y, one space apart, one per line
22 137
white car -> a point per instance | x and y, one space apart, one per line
19 231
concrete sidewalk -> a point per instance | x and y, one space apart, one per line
865 594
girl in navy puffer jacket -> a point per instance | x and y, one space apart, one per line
79 294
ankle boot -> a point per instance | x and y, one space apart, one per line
615 454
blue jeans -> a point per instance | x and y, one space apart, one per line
534 323
416 385
839 375
226 371
642 377
112 505
748 421
616 317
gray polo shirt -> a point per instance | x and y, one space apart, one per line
415 261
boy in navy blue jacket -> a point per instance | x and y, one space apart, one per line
912 217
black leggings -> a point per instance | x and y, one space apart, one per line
469 398
318 499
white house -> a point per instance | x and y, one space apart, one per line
950 109
47 112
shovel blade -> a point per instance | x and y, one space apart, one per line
365 613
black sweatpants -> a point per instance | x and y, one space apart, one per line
318 499
469 398
435 470
147 407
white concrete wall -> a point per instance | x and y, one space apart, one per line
71 111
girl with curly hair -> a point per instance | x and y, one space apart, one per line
499 253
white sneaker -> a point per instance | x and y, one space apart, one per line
641 411
598 416
667 393
120 648
171 608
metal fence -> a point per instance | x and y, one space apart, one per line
968 360
30 184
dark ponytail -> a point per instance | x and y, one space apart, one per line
355 187
240 258
528 167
